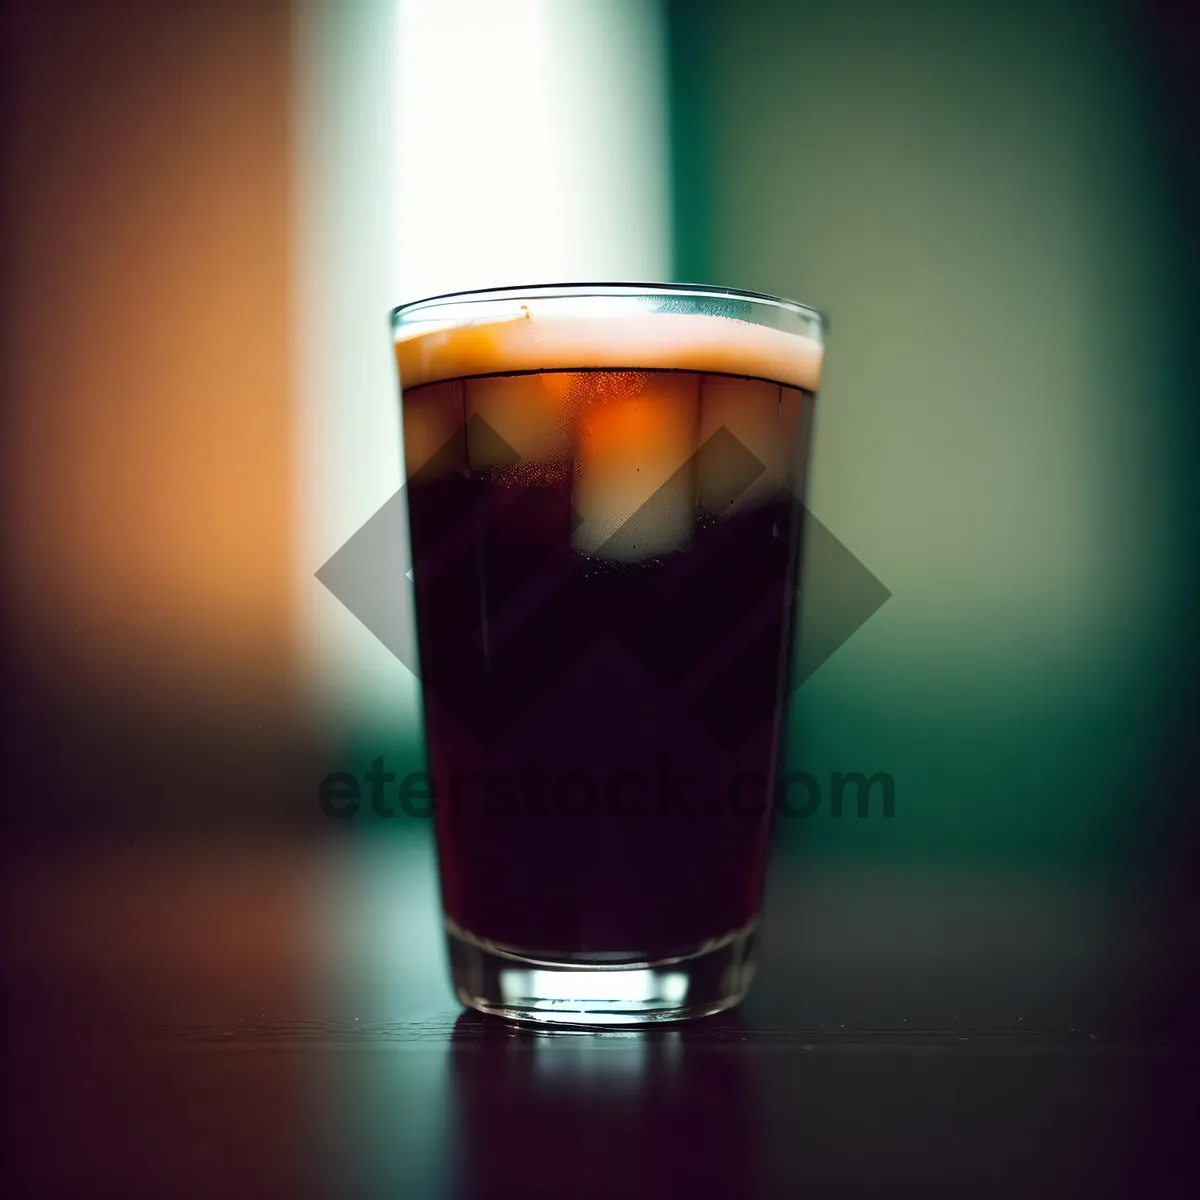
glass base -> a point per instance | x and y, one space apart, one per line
581 991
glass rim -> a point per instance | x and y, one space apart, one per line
608 287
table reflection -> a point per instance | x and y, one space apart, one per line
647 1113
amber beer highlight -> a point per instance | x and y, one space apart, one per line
604 493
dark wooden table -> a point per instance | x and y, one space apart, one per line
264 1019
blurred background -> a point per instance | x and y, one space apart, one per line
210 209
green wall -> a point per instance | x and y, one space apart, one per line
978 196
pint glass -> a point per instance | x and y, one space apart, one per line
605 488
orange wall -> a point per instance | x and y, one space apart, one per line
147 458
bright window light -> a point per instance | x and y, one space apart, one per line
532 143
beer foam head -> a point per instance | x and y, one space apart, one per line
553 341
